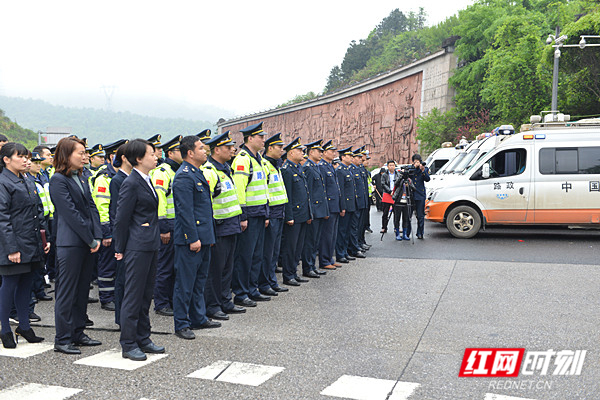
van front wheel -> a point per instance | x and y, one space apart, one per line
463 222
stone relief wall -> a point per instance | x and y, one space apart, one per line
383 119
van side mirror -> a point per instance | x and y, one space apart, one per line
485 173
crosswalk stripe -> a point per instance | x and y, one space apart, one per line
492 396
25 350
35 391
113 359
364 388
237 372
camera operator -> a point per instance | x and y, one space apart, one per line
419 177
402 195
388 179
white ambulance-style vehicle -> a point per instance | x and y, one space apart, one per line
548 175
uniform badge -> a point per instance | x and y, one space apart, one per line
260 175
102 189
239 168
160 182
275 178
185 169
228 185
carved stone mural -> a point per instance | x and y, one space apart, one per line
382 118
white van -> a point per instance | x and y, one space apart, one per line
549 175
439 158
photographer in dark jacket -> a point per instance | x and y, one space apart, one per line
403 202
21 252
421 175
388 179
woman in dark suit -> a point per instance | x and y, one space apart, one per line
137 240
78 233
21 252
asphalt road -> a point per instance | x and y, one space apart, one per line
403 317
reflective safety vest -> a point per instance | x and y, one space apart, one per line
250 178
162 179
44 193
226 203
370 182
101 194
277 192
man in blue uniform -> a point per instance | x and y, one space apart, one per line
319 207
194 234
347 205
326 245
365 219
354 248
421 176
297 213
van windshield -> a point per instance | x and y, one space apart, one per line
455 161
466 161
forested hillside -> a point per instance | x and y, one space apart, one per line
16 133
97 125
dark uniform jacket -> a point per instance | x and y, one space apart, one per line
347 188
136 225
75 213
193 207
21 218
316 189
419 180
361 189
298 206
331 186
115 188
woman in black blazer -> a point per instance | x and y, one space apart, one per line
78 234
21 249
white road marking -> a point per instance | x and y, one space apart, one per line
35 391
113 359
237 372
363 388
24 350
491 396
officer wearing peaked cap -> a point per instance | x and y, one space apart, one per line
110 150
355 249
226 212
347 204
277 200
155 140
250 178
298 213
320 209
329 230
162 180
204 135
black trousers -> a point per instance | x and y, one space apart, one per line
291 248
401 211
140 270
73 276
217 292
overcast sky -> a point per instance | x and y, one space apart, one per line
243 56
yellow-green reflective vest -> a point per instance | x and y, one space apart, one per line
162 179
277 192
44 193
101 195
250 180
226 204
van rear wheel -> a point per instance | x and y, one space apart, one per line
463 222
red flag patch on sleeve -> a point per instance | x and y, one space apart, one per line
160 182
102 189
240 168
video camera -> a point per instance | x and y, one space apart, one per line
409 171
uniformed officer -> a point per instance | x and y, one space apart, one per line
250 180
205 136
97 158
347 204
320 209
226 212
332 189
46 163
86 173
162 179
155 140
355 249
110 150
366 176
193 237
277 200
297 213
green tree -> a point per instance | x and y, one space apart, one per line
436 128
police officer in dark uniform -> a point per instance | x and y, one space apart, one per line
320 210
421 176
298 213
347 205
355 249
364 222
326 245
155 140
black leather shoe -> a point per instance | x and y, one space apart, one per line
268 292
87 341
278 270
280 289
245 302
301 280
220 315
359 254
342 260
364 248
236 310
185 333
33 317
110 306
208 325
66 349
167 312
291 282
44 297
260 297
92 300
311 274
350 258
320 272
89 322
419 236
29 335
135 355
151 348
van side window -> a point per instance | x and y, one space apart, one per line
578 160
508 163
